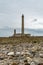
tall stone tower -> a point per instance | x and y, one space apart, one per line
22 24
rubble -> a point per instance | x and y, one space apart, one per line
10 53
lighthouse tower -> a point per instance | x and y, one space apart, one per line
22 24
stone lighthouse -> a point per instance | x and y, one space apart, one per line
22 24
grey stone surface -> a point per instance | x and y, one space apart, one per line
10 53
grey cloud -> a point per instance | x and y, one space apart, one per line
11 10
35 20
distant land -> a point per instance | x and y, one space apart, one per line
7 31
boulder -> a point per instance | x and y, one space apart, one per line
29 59
41 54
34 48
10 54
14 63
33 63
18 53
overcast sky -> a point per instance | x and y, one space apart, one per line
12 10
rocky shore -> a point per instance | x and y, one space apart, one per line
18 53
